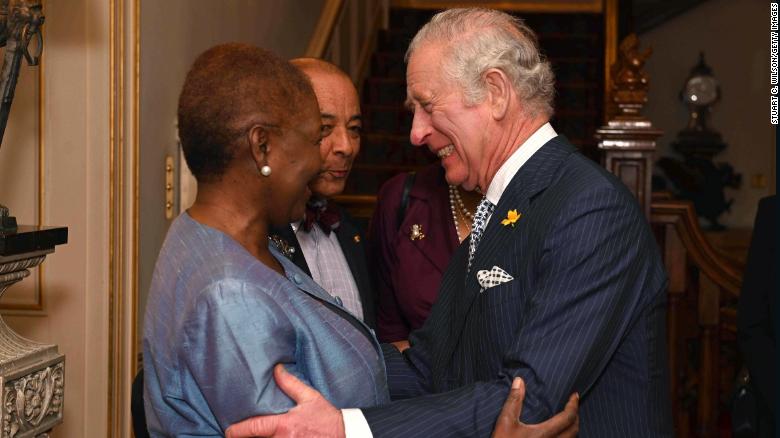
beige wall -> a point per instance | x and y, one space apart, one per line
734 36
75 193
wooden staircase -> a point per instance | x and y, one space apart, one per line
573 42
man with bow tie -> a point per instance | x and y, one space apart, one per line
560 282
327 244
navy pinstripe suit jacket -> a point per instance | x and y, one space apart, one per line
585 312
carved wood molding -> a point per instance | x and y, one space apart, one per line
725 273
33 404
571 6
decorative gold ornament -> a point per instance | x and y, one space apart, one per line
416 232
285 248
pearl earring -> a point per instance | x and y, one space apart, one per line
265 170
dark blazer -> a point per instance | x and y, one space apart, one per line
409 271
585 312
757 313
353 245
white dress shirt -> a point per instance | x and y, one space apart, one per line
329 267
355 424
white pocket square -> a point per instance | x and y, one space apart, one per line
493 277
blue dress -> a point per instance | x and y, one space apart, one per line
217 321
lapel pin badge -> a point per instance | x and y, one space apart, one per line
356 238
416 232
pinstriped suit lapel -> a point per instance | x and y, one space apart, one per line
532 178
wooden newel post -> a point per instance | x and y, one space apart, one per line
628 138
676 263
709 337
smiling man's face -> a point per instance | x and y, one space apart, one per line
341 128
455 132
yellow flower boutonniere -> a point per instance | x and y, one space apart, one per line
512 216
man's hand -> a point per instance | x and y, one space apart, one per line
564 424
401 345
312 417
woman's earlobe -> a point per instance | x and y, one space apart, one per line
259 149
257 137
263 168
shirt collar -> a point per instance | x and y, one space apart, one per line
519 157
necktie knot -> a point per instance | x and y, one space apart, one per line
322 212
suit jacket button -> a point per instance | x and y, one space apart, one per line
297 279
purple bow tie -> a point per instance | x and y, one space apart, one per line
324 213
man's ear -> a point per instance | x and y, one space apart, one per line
257 137
499 89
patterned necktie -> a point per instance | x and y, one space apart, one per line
324 213
484 210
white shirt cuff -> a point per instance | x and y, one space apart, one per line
355 424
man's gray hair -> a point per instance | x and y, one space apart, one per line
476 40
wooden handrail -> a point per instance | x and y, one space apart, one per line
363 200
701 309
323 30
367 49
345 34
682 215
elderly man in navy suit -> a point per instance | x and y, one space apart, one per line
560 282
